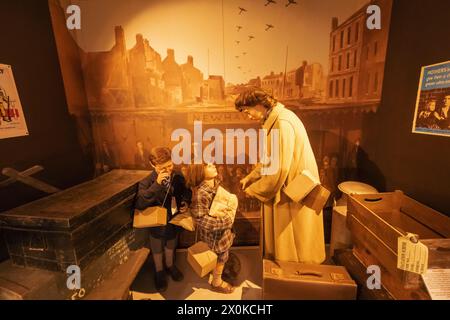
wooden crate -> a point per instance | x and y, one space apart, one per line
74 226
358 272
376 221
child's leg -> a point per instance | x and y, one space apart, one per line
156 246
169 251
217 281
217 274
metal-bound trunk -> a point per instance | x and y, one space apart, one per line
74 226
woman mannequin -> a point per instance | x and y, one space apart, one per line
291 231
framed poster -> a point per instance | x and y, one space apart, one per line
12 120
432 113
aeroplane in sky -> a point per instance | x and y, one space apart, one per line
237 41
250 38
244 53
290 2
237 57
268 26
242 10
270 2
238 28
239 67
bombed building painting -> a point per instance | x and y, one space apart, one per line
142 82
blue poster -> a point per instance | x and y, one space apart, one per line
432 113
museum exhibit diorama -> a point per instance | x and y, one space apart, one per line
225 150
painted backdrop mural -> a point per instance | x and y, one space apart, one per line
138 69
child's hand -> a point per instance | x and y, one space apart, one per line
163 176
184 207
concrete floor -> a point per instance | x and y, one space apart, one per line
248 284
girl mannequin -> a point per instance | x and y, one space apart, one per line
215 231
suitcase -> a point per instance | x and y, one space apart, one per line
298 281
376 221
74 226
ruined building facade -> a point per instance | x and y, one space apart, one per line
138 77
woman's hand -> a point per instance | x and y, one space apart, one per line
244 182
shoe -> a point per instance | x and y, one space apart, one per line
160 281
224 287
175 274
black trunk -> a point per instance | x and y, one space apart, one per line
74 226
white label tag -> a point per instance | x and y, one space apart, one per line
412 255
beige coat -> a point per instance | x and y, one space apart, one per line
292 231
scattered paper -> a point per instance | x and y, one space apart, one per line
437 282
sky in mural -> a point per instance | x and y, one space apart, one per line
222 38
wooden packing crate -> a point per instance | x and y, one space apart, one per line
74 226
376 221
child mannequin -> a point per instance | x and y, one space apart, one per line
215 231
157 190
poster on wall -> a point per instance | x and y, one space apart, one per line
432 113
12 120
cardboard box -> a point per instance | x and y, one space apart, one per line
317 198
305 188
184 220
298 281
150 217
201 258
301 186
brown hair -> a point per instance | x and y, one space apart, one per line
253 96
160 155
195 175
